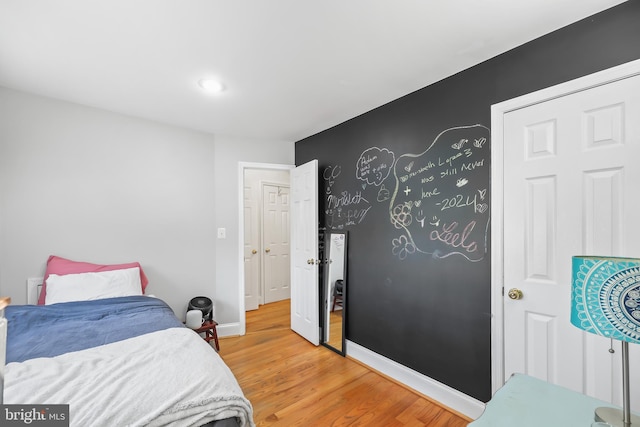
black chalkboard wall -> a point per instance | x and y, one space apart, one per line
410 181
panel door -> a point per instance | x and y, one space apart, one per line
252 268
275 243
571 177
304 252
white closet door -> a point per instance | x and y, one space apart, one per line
571 176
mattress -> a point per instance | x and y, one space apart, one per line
128 356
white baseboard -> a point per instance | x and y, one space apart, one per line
435 390
228 329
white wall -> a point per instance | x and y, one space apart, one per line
229 152
95 186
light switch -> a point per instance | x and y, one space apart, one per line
222 233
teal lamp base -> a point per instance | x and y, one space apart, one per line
614 417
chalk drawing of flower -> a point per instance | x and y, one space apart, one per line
402 247
401 215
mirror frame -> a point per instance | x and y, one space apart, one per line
326 294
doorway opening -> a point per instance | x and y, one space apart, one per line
256 180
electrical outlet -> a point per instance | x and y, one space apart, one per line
222 233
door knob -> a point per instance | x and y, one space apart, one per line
267 250
515 293
254 252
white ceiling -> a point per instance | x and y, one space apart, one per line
292 67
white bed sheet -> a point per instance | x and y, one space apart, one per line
181 382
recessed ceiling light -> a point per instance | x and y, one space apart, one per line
211 85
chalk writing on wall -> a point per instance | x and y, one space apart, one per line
437 200
374 165
438 204
343 208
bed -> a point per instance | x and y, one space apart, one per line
119 361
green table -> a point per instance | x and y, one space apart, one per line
529 402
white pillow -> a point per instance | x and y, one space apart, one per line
90 286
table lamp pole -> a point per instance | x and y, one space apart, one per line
626 400
612 415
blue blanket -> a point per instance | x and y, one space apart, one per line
52 330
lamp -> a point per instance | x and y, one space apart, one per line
605 300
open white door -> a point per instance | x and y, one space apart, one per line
304 252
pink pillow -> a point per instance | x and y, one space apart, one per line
61 266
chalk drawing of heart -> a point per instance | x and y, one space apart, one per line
418 203
409 203
482 207
383 194
409 167
483 193
458 145
478 143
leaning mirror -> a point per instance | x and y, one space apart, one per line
335 290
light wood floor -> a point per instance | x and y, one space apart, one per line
335 329
291 382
